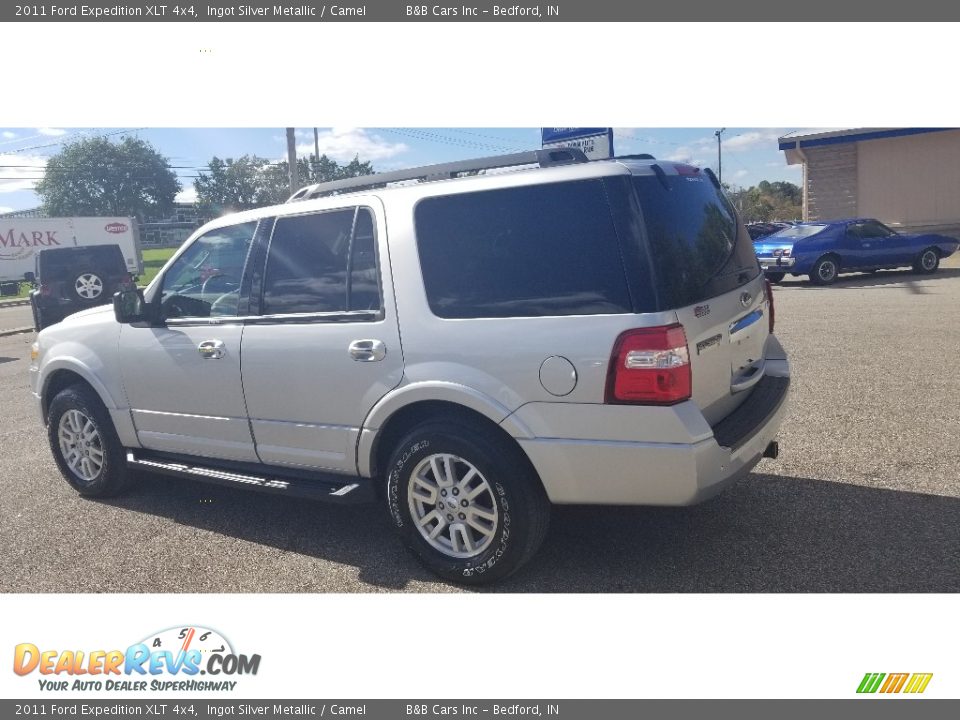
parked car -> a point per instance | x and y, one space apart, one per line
70 279
825 250
466 348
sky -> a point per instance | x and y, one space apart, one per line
749 154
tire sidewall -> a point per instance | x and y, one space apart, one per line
936 261
112 471
506 551
815 275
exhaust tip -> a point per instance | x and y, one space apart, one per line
772 451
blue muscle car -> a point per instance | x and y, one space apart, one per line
823 250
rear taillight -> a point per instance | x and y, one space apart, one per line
650 366
770 311
45 290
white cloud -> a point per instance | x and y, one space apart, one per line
187 195
4 209
752 140
53 132
343 144
7 135
23 171
740 174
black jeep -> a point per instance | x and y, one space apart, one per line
71 279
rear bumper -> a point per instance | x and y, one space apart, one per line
777 264
626 472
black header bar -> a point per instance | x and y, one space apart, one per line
578 11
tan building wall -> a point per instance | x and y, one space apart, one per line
831 182
913 181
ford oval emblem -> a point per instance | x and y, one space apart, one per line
745 299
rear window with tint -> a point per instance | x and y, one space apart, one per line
798 231
522 252
57 264
698 246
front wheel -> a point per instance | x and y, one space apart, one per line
825 271
85 444
466 502
927 262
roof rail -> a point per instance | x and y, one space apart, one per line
443 171
638 156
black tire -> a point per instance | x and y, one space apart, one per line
508 483
113 475
927 261
825 270
775 277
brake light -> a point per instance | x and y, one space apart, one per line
770 303
45 290
650 366
787 251
777 252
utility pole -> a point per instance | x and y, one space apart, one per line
292 161
718 133
316 154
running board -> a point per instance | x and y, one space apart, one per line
328 487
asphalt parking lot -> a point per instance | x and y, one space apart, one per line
865 496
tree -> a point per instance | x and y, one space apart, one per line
312 170
250 181
95 176
240 184
768 201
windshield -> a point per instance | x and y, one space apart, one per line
797 231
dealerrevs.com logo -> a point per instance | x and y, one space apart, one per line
892 683
172 659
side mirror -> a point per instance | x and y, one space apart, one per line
30 277
129 306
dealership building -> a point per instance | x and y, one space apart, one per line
908 178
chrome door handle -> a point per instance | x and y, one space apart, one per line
367 350
211 349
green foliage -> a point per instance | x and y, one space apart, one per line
768 201
95 176
251 182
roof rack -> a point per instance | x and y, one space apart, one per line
637 156
443 171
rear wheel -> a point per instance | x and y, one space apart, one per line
927 262
85 444
825 270
466 502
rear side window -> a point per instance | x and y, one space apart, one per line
521 252
699 248
322 263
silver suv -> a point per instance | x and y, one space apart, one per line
467 343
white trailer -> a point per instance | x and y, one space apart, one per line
22 238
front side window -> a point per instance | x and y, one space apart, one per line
322 263
874 229
205 280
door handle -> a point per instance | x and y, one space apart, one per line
367 350
211 349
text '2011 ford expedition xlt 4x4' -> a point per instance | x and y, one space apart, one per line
467 343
